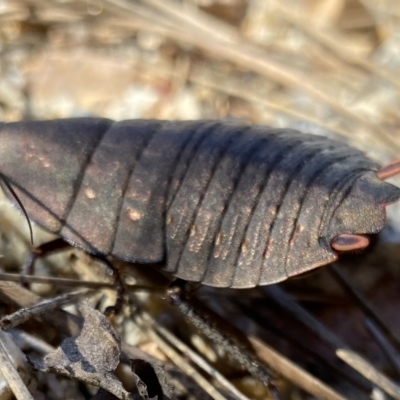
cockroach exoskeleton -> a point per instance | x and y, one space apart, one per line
218 203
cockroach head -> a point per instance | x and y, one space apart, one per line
362 211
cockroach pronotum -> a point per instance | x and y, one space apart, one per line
221 203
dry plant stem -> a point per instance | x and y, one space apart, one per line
24 314
328 337
19 278
303 316
60 245
243 52
11 375
201 362
247 360
297 342
178 360
387 348
252 57
307 25
369 371
58 281
198 27
70 325
364 305
256 99
13 294
293 373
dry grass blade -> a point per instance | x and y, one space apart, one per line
194 357
11 374
179 360
330 42
387 348
350 357
364 305
13 294
21 278
303 316
24 314
232 90
294 373
369 371
201 320
253 58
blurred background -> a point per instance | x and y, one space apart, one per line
328 67
316 65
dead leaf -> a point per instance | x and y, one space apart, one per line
91 357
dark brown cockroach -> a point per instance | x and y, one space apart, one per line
220 203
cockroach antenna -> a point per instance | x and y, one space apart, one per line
389 171
12 191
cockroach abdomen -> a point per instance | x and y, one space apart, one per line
217 202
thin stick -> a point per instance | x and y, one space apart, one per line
178 360
364 305
21 278
293 373
246 359
369 371
24 314
11 293
387 348
356 362
11 374
203 364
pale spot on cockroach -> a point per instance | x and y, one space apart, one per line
228 237
133 214
193 230
244 248
218 241
218 238
90 194
299 228
116 165
269 248
170 219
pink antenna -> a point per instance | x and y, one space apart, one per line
390 170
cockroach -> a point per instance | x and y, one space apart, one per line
215 202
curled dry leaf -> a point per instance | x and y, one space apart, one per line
91 357
151 380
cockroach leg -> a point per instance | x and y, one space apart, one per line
389 171
119 286
245 357
59 244
42 251
348 242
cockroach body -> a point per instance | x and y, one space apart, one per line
220 203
